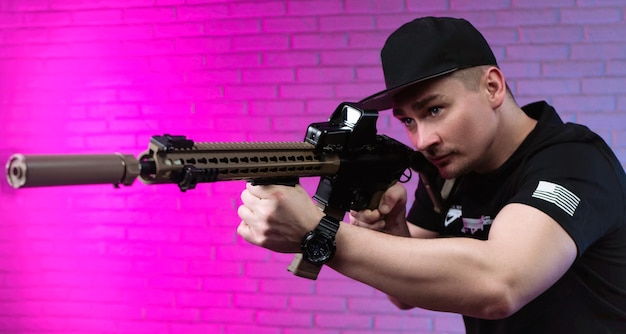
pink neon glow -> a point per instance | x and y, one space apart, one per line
104 76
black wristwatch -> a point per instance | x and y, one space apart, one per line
318 246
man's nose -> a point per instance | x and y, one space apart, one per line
424 138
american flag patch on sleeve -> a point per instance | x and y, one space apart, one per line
557 195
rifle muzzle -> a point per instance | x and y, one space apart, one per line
59 169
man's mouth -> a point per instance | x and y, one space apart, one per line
439 159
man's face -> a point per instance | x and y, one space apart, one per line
453 126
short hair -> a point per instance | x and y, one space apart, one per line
470 77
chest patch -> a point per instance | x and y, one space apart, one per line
472 225
477 227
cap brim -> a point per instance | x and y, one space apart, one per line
384 99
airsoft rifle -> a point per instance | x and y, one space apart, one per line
355 165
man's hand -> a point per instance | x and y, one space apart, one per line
390 217
277 217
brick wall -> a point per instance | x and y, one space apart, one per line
95 76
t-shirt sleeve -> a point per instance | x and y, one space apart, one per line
577 185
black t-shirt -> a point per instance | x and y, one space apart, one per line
569 173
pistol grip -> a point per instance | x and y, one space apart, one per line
301 268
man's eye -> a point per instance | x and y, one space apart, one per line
407 122
434 111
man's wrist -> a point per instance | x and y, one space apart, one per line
318 246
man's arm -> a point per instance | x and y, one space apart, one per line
391 211
420 233
526 253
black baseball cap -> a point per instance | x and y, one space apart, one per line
427 48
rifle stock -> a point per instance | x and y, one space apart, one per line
355 165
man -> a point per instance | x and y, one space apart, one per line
534 224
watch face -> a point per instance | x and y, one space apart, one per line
318 249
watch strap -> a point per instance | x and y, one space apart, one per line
328 226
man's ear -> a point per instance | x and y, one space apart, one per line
495 86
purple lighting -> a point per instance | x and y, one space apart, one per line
81 76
